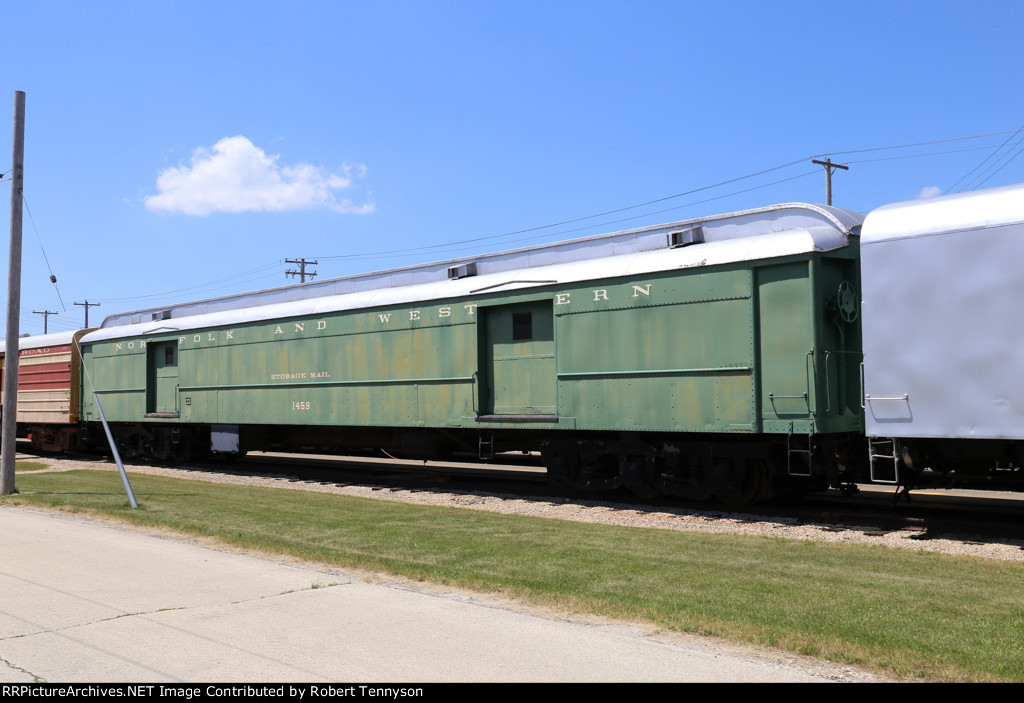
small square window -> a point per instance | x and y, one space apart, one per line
522 326
169 356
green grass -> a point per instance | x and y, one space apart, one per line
28 466
917 615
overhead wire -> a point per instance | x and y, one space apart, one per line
571 221
1005 156
27 319
930 153
448 245
53 278
678 207
978 181
233 280
1007 163
600 224
933 141
968 174
248 275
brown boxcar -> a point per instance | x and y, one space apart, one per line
49 390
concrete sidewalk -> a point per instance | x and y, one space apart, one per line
87 601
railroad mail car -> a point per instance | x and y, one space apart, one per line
48 389
702 357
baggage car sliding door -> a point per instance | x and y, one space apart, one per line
162 381
518 355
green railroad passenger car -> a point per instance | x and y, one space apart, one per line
717 356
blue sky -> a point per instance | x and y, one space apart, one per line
183 150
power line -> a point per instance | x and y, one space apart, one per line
26 321
976 183
579 219
968 174
544 231
53 279
234 278
670 209
1019 152
416 252
934 141
928 153
406 252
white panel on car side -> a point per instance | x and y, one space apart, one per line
943 317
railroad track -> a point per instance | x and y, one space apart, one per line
968 523
927 515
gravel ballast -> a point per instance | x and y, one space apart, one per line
587 510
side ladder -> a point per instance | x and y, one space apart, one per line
883 451
485 449
800 469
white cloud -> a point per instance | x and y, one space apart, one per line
929 192
237 176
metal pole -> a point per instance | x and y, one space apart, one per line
117 455
106 428
8 433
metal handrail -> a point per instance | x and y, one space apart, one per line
828 391
806 394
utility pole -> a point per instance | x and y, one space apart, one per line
301 263
10 407
87 305
829 168
46 318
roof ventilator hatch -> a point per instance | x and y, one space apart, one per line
162 315
686 237
462 271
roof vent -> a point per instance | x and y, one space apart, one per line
462 271
686 237
162 315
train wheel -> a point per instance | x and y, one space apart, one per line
638 474
753 479
181 453
645 493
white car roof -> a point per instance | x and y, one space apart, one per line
770 232
977 209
